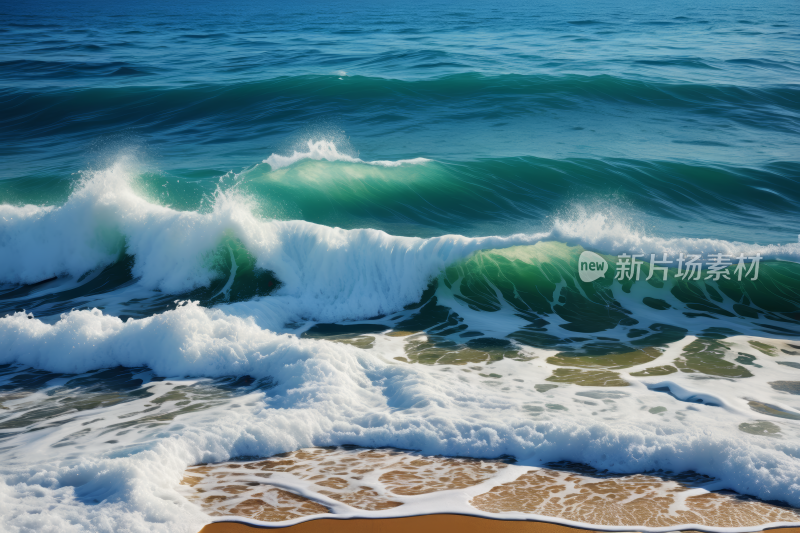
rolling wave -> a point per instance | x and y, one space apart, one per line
321 273
27 109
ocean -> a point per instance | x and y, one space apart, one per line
235 230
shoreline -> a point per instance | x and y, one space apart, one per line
398 486
433 523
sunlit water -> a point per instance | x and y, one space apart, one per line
230 232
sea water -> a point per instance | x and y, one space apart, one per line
239 230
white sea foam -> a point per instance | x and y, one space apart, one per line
327 150
610 235
326 393
329 394
327 273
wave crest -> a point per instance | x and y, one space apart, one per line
326 150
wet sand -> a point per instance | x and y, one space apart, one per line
383 480
438 523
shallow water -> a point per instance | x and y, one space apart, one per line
395 482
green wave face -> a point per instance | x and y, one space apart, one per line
540 283
498 196
484 196
492 196
525 301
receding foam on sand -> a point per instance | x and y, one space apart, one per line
348 482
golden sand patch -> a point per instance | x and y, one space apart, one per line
382 479
258 501
235 488
636 500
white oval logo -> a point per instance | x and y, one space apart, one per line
591 266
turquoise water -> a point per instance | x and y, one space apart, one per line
624 122
196 190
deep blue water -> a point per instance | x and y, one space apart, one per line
207 86
651 126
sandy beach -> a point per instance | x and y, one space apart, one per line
436 523
314 483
